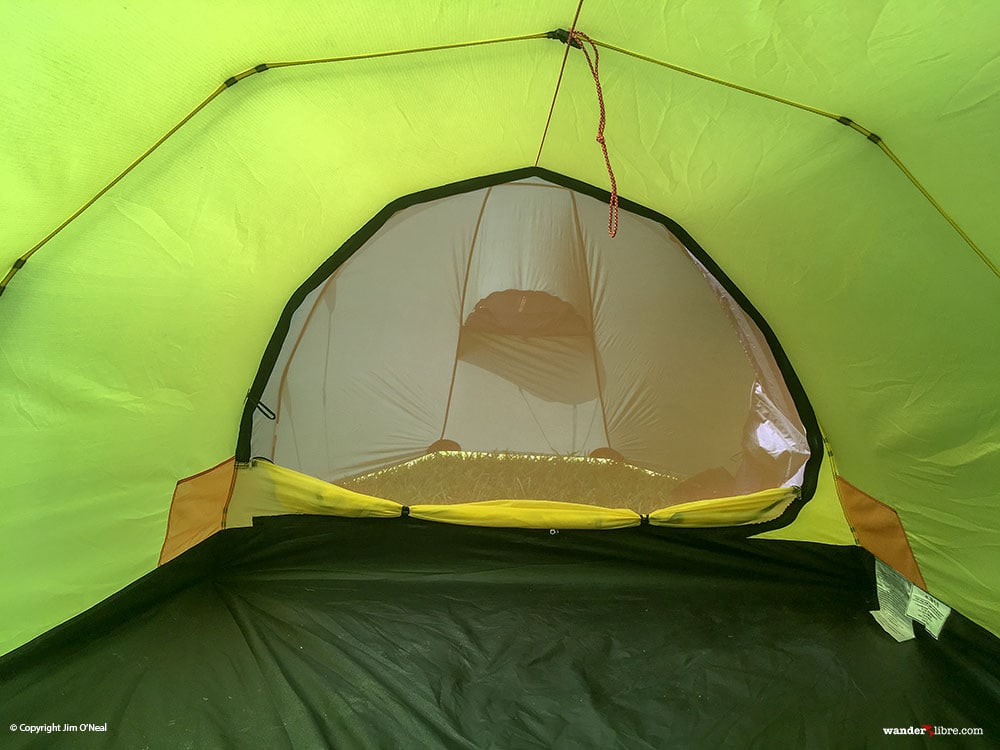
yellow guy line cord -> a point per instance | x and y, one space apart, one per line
228 83
24 258
877 140
19 263
562 69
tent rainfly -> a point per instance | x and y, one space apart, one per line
364 398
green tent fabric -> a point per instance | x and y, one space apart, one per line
316 631
129 341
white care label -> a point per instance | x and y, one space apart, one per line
926 609
893 600
900 603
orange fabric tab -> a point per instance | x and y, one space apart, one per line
879 530
198 509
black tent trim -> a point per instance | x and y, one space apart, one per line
359 238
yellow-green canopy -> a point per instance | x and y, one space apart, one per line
128 341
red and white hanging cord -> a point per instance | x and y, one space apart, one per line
583 40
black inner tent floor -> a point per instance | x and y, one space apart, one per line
309 632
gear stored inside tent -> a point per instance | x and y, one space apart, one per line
515 460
